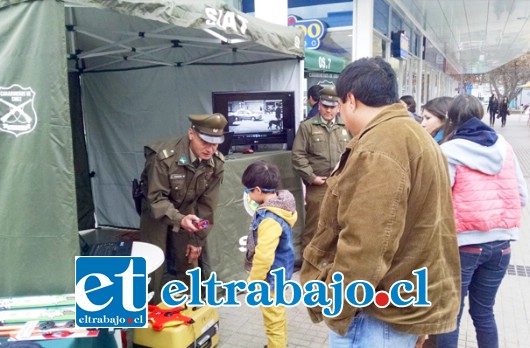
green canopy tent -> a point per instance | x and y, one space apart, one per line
140 69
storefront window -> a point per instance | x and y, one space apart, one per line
415 44
381 13
413 75
380 45
426 96
410 67
396 23
394 63
338 41
335 14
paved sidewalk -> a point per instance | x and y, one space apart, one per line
243 326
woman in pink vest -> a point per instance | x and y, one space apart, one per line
488 192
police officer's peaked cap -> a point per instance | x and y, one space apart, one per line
210 127
328 96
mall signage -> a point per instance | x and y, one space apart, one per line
314 30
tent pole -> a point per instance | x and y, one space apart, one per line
263 53
150 61
181 38
120 42
207 57
71 33
71 37
102 65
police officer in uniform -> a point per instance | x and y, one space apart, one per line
316 150
181 183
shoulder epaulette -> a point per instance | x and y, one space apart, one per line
165 153
315 120
220 156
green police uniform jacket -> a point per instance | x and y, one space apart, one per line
317 147
174 187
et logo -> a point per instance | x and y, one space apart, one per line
110 292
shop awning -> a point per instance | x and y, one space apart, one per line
316 60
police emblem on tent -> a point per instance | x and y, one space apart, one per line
17 113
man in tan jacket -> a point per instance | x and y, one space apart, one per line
181 182
386 213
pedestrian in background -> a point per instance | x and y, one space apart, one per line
313 97
410 103
270 240
493 108
504 110
435 116
387 212
488 192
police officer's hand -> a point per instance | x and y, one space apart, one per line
187 223
193 253
319 180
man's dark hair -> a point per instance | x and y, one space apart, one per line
372 81
314 92
264 174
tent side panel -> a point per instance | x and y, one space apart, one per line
124 111
129 109
38 222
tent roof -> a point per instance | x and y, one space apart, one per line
131 34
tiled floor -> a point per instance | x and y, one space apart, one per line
243 327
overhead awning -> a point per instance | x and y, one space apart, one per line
140 34
316 60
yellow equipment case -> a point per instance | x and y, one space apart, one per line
196 327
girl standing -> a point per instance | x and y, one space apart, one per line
435 115
488 192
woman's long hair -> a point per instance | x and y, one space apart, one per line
463 108
438 107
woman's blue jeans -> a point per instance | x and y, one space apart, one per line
483 268
367 331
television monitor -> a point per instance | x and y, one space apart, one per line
257 117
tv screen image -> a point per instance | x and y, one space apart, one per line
257 117
248 116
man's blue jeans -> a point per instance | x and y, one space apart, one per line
483 268
367 331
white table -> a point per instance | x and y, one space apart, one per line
154 256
